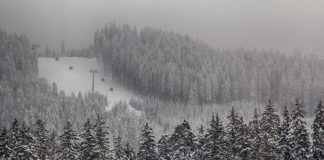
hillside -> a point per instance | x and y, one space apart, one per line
177 67
79 79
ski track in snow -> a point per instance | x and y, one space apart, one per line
79 79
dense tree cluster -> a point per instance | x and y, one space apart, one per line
172 66
65 52
84 52
164 115
318 132
18 58
258 140
27 97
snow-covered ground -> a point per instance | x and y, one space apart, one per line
79 79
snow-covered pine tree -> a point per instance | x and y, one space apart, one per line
87 142
233 128
318 132
301 143
129 152
42 139
255 136
182 142
119 150
283 146
270 123
163 148
69 143
4 144
243 143
201 140
22 142
147 145
14 135
53 145
102 145
215 146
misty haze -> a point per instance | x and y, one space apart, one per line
161 80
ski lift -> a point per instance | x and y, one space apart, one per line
35 46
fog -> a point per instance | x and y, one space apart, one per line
273 24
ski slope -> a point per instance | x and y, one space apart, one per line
79 79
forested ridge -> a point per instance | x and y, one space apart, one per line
266 136
178 68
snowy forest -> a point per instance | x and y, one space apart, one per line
40 122
264 137
84 81
179 68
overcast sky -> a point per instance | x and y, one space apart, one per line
278 24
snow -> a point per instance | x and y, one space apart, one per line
79 79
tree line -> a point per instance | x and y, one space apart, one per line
179 68
266 136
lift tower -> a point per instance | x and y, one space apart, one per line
93 71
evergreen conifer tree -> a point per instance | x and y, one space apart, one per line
215 145
42 138
102 146
163 148
147 145
53 145
318 132
255 137
5 144
301 143
201 140
243 143
69 142
270 123
129 152
182 142
119 150
23 143
88 142
233 128
283 146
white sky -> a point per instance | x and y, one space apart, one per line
278 24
